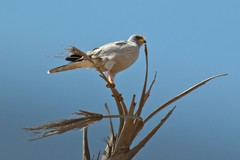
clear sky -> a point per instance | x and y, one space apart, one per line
188 41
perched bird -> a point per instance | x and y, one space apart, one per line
112 57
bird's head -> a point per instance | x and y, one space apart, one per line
139 40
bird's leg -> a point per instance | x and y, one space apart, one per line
110 79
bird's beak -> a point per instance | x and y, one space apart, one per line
142 40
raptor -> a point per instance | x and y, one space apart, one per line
112 58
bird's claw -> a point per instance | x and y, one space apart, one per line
110 85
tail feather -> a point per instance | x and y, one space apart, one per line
71 66
74 58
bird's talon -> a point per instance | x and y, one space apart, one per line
110 85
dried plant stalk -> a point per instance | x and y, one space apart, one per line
181 95
119 146
85 148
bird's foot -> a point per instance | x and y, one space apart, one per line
110 85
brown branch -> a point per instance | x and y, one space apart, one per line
150 88
141 144
110 120
141 103
63 126
132 106
85 148
111 139
181 95
139 124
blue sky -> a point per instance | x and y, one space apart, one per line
188 41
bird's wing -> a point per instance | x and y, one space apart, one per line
105 56
111 50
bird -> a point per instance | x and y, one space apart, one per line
112 57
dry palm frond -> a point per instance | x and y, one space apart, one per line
63 126
66 125
181 95
141 144
119 146
85 148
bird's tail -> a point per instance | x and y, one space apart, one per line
71 66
